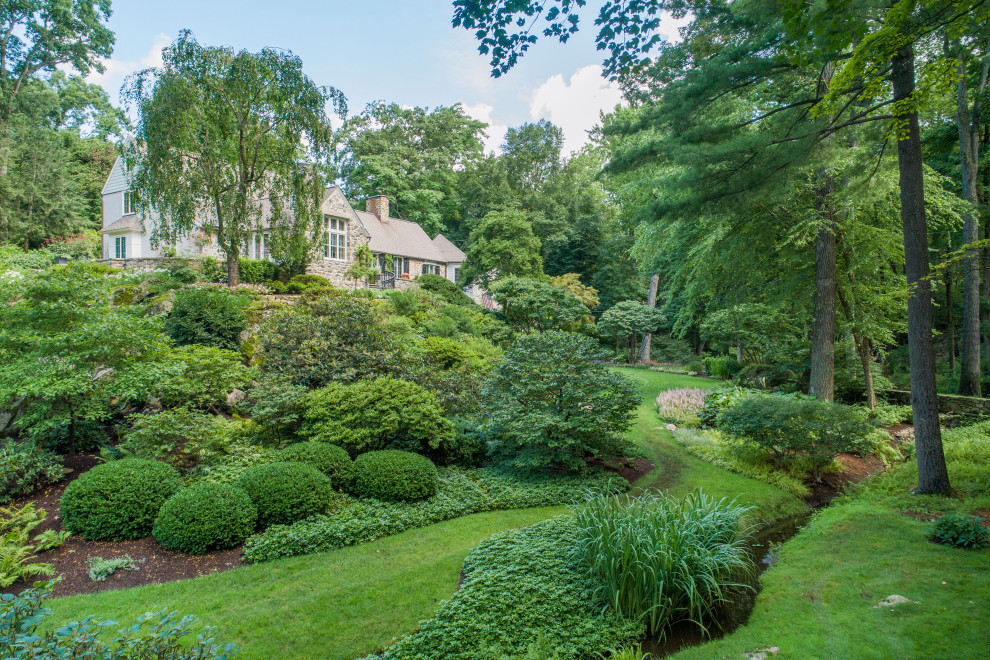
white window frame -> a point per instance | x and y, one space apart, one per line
129 203
335 246
120 247
267 251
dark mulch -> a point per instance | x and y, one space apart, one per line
154 564
629 469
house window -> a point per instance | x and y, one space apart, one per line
267 250
453 273
120 247
129 203
431 269
336 245
400 265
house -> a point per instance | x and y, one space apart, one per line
401 247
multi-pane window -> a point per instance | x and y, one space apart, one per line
431 269
120 247
267 250
336 245
400 265
129 203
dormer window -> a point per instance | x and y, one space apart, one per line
336 245
129 200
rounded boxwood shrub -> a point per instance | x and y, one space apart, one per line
331 460
286 492
204 517
118 500
394 476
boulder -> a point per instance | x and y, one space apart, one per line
235 397
162 304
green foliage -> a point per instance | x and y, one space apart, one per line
376 414
765 376
461 492
886 415
445 353
333 338
470 442
792 427
202 376
519 586
441 286
17 546
285 492
395 476
12 258
177 436
118 500
204 517
303 283
531 305
959 531
23 467
206 315
668 349
626 321
213 270
717 400
227 465
331 460
23 615
571 283
257 271
106 355
551 403
502 245
661 559
99 569
722 366
277 407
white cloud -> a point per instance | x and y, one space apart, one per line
495 132
117 70
575 105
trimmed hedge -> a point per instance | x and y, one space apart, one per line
395 476
118 500
204 517
286 492
331 460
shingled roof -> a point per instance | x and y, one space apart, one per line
400 238
449 252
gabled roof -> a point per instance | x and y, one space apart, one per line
400 238
449 252
125 223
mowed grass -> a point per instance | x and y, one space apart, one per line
679 472
341 604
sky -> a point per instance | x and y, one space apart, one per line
404 52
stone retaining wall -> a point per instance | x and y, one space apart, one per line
948 403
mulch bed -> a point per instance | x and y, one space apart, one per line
154 563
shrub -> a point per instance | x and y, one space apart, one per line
99 569
207 315
886 415
695 367
205 517
717 400
764 376
530 304
331 460
201 377
23 615
551 403
722 366
277 408
333 338
446 289
444 353
302 283
797 427
670 350
118 500
286 492
395 476
520 586
378 414
213 270
176 436
461 492
17 546
23 467
661 560
470 446
257 271
959 531
681 405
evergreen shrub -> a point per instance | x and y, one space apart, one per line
204 517
331 460
285 492
393 476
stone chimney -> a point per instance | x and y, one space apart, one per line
378 205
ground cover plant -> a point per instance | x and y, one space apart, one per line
99 569
18 548
24 466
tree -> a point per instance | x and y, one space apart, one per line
221 134
551 403
502 245
628 320
534 306
571 283
69 357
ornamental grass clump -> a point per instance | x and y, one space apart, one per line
659 559
681 405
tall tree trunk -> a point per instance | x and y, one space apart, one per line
950 319
969 374
823 332
933 477
233 267
651 300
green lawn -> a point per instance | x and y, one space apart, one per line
340 604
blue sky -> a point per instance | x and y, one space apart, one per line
403 52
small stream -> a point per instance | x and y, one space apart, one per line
735 613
